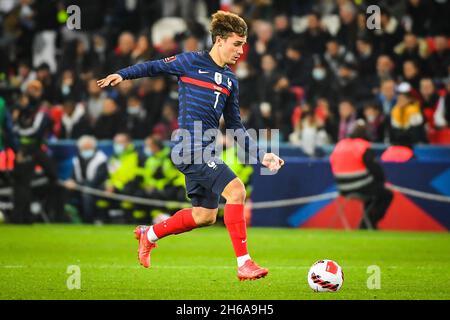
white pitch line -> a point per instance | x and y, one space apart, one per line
12 267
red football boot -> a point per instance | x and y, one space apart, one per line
251 271
145 246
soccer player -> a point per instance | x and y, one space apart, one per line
207 89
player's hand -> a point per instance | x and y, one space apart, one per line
272 161
112 79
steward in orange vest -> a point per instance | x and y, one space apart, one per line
357 173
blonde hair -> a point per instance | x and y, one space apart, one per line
224 23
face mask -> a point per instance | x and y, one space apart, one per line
65 90
86 154
371 118
318 74
133 110
242 73
118 148
148 152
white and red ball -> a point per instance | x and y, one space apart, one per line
325 276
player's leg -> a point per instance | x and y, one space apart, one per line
234 220
182 221
203 213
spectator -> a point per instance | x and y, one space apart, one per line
136 119
283 31
124 91
389 35
250 117
347 84
335 56
121 57
385 68
411 49
168 123
69 87
143 50
315 37
320 84
191 44
89 169
154 93
24 75
274 98
309 133
347 118
48 85
98 54
110 121
406 116
419 13
375 122
442 114
74 122
297 66
166 48
439 60
327 116
263 44
429 101
77 57
348 29
247 79
95 101
387 96
366 62
32 126
411 74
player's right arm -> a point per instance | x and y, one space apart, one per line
172 65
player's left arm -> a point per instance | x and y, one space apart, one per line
233 121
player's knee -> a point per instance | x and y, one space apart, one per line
204 218
235 193
209 220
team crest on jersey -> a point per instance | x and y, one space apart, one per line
170 59
229 83
218 78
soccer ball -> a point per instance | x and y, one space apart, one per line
325 276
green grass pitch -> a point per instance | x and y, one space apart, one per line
200 264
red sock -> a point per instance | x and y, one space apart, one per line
180 222
235 223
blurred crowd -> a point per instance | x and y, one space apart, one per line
310 68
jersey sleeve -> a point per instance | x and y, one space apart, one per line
174 65
232 117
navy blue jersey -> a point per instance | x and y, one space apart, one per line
206 91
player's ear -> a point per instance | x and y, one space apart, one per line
219 41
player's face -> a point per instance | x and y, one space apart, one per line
232 48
